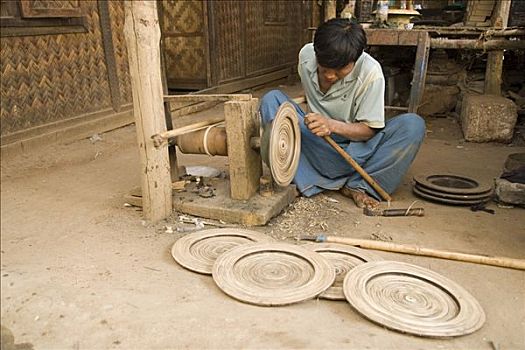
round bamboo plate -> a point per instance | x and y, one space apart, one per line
198 251
442 200
459 197
343 258
411 299
270 274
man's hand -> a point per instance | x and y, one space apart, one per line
324 126
318 124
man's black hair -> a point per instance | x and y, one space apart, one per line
338 42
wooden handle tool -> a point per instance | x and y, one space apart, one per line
358 168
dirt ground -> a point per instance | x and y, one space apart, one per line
82 271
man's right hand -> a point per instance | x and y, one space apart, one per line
323 126
318 124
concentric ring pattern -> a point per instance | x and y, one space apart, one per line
343 258
284 145
411 299
198 251
272 273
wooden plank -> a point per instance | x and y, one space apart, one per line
244 162
183 111
392 37
142 35
212 97
408 38
24 30
420 72
194 119
382 37
257 210
477 18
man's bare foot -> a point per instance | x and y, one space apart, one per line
361 199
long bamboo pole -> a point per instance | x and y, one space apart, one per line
500 261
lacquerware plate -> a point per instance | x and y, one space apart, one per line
433 198
343 258
450 183
270 274
198 251
412 299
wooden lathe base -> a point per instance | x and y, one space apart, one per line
255 211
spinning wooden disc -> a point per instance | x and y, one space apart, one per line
411 299
343 258
272 273
281 144
198 251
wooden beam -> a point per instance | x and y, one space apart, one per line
142 33
475 44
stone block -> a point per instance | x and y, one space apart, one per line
487 118
510 192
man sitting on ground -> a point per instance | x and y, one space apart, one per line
344 88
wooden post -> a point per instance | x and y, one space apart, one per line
142 33
244 162
330 9
420 72
494 69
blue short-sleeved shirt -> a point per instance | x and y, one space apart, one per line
358 97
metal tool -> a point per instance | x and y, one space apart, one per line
394 212
482 207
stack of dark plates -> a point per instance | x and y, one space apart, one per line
451 189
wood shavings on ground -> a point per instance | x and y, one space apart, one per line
381 236
312 215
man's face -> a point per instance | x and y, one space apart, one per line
328 76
